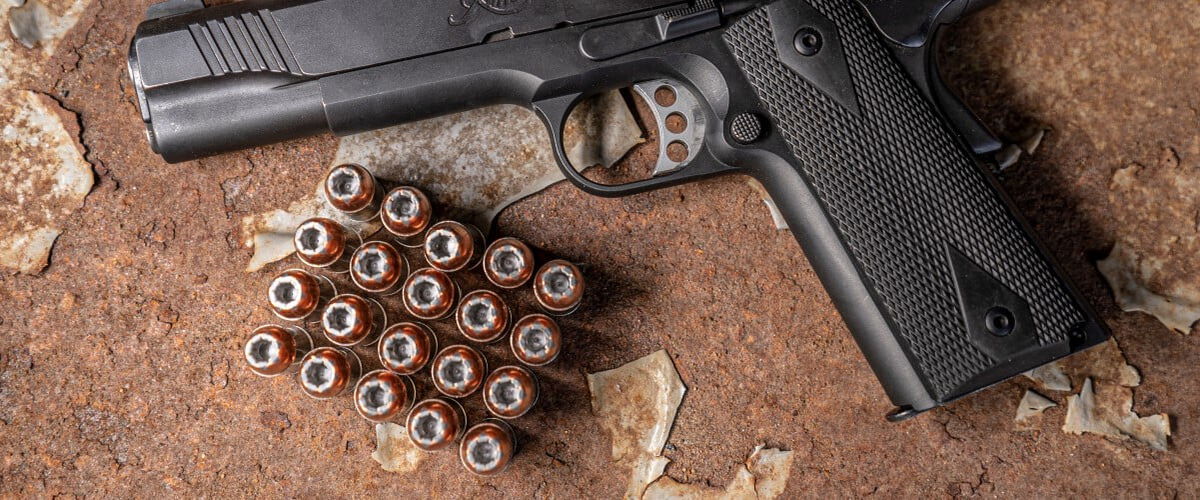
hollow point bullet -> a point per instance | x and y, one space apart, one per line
487 447
406 214
354 191
327 372
558 287
453 246
377 267
536 340
296 294
458 371
482 316
429 294
510 392
381 395
272 350
435 424
407 347
323 243
349 320
508 263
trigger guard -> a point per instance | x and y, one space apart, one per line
554 111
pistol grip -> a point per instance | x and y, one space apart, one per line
941 283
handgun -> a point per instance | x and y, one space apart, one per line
836 106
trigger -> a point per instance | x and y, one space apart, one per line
680 121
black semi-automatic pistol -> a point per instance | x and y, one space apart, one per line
836 106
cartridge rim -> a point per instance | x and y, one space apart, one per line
326 372
536 340
429 294
510 392
482 316
417 343
381 395
508 263
377 267
487 448
558 287
452 246
458 371
350 188
319 242
406 212
435 424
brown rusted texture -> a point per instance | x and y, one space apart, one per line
353 190
510 392
294 294
272 349
377 267
320 242
487 448
327 372
453 246
558 287
536 340
147 282
482 316
508 263
458 371
429 294
435 424
407 347
349 320
383 395
406 212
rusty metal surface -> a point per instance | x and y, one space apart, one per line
120 368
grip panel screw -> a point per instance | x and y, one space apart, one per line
808 41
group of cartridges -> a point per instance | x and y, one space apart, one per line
405 348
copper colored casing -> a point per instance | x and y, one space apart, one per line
458 371
406 214
349 320
354 191
429 294
508 263
272 350
407 347
536 340
487 447
327 372
377 267
381 395
510 392
482 316
323 243
435 424
558 287
296 294
453 246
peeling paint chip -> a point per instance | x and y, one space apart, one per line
1050 376
43 177
763 476
1032 405
1109 412
1126 275
473 164
636 404
393 450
